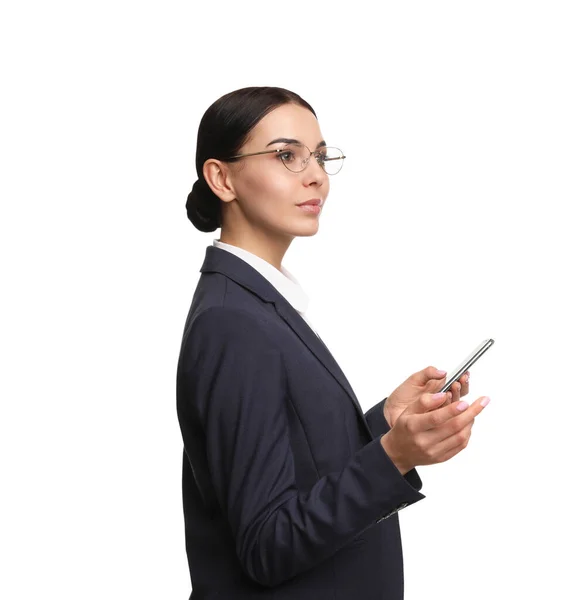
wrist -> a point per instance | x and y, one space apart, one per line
387 414
395 457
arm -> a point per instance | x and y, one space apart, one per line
236 380
379 425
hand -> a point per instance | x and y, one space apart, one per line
429 380
427 432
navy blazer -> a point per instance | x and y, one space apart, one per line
287 490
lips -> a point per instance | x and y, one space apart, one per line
313 202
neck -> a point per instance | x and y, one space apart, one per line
270 248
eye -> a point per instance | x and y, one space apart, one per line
286 155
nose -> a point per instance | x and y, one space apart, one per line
313 172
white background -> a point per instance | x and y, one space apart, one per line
451 222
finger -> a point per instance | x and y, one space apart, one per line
451 395
464 381
455 391
435 385
458 414
448 398
426 402
429 374
449 454
467 414
436 418
453 444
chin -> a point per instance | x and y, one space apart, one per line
308 231
305 227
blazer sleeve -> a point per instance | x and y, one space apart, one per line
235 378
379 426
375 419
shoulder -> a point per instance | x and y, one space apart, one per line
232 326
226 318
229 341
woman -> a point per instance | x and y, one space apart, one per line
289 489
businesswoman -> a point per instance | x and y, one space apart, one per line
290 490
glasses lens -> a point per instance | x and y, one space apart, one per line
295 158
331 159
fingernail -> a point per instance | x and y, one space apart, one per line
440 372
438 396
485 401
462 405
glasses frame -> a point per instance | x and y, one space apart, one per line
306 162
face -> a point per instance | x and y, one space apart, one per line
261 192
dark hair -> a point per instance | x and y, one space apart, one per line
223 130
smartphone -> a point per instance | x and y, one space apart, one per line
455 375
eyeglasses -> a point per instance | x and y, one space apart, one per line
295 157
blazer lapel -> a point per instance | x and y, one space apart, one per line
319 349
218 259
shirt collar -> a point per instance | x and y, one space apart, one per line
284 282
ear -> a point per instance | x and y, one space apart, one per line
218 177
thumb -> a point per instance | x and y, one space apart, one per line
427 402
422 377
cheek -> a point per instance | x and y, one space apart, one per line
265 192
283 190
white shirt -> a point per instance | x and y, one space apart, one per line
284 282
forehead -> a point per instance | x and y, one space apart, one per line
289 121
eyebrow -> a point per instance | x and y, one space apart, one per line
290 141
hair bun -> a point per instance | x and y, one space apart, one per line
203 207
